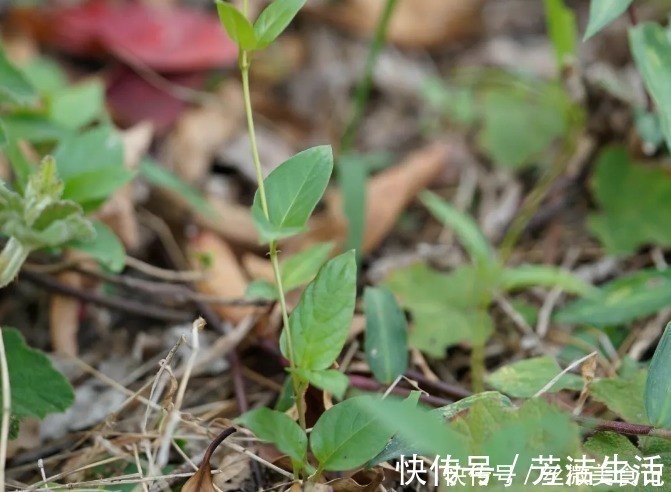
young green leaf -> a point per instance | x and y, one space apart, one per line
524 276
89 151
464 227
562 28
236 25
300 268
609 443
92 188
15 88
347 435
602 13
106 248
352 172
651 49
34 128
658 383
621 301
523 379
623 395
293 190
37 388
280 429
274 20
320 322
632 199
261 289
386 335
78 105
330 380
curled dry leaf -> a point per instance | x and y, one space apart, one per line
119 211
425 24
225 277
201 481
361 481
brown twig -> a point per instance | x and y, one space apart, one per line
128 306
368 384
623 427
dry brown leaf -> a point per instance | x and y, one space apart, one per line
190 148
235 470
119 211
258 268
361 481
234 222
201 481
415 24
64 316
225 277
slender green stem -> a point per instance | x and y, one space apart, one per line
245 63
12 257
363 89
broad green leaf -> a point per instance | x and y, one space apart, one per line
320 322
446 309
106 248
457 104
278 428
609 443
494 429
525 276
428 435
274 20
523 379
293 190
352 173
93 187
89 151
159 176
347 435
632 199
448 412
386 335
562 29
14 88
78 105
34 128
261 289
651 49
299 269
602 13
328 380
658 383
44 74
37 388
622 300
519 125
236 25
624 396
463 226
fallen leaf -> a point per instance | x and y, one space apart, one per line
64 316
225 275
201 481
235 470
191 146
361 481
425 24
162 39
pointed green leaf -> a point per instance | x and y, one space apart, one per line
93 187
523 379
300 268
658 383
602 13
278 428
320 322
386 335
34 128
347 435
56 211
525 276
78 105
14 88
327 380
106 248
91 150
651 49
37 388
622 300
274 20
293 190
236 25
562 29
463 226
